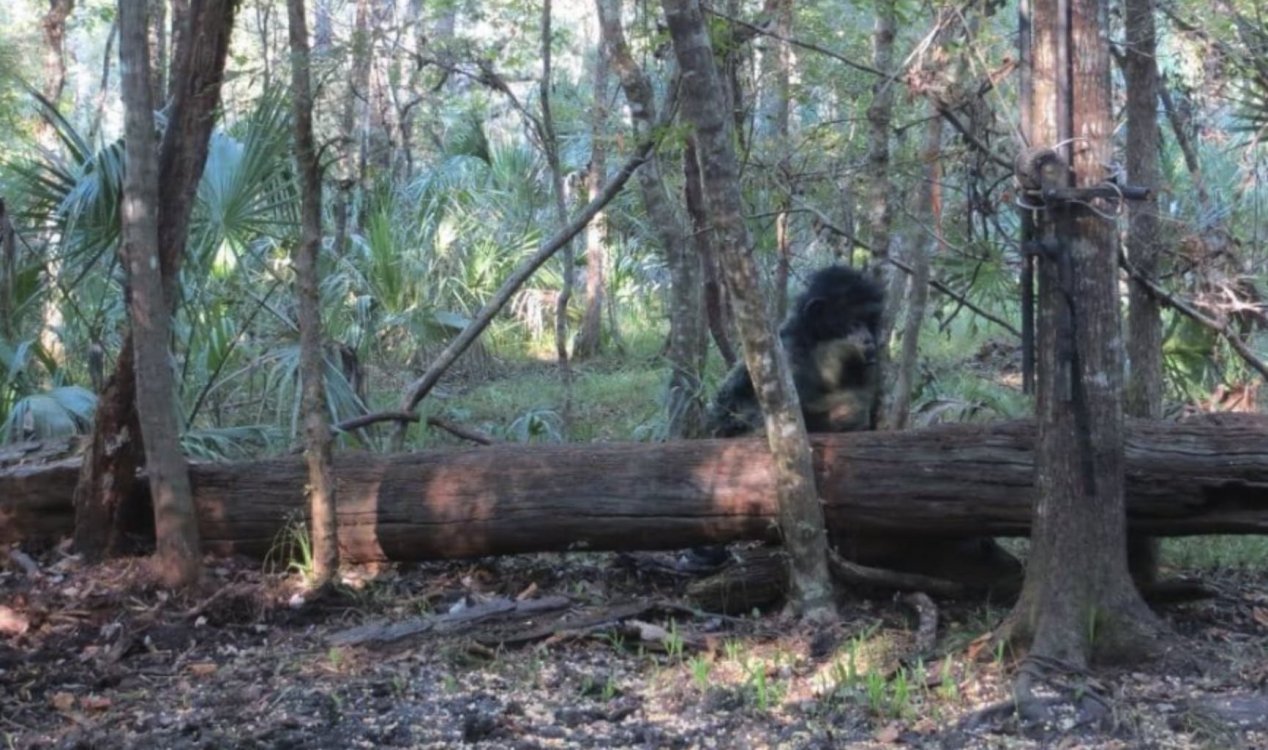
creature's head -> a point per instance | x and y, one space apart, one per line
839 304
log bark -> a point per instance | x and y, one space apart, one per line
942 482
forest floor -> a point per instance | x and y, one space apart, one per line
562 650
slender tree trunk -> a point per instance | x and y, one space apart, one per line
104 492
879 207
590 337
775 107
8 267
928 207
379 130
197 73
263 17
54 25
99 101
717 307
158 52
352 128
175 524
323 28
1144 246
180 36
317 440
684 405
800 515
777 69
1078 597
550 144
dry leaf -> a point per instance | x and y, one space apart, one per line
12 622
650 633
889 733
202 668
1261 616
63 702
95 703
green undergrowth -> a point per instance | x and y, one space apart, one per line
615 395
1215 552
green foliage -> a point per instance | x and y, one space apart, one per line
1216 552
31 411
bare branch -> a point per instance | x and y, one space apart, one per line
1183 307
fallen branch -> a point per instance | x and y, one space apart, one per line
457 430
365 420
1170 300
854 574
382 632
419 389
907 269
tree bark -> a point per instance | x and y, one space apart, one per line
717 308
801 515
1077 581
589 339
880 210
158 52
684 406
8 270
949 481
317 440
550 145
104 490
353 124
774 106
54 29
922 249
176 528
1144 246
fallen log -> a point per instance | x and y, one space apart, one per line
942 482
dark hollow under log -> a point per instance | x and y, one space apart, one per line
942 482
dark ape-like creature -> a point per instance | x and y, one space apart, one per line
830 336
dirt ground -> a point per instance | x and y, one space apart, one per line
565 650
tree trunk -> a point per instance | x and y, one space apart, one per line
158 52
197 73
8 269
717 307
922 249
104 490
590 337
880 209
180 37
550 145
949 481
775 98
379 142
773 125
317 440
1077 582
801 515
684 406
175 524
1144 248
54 25
323 27
352 128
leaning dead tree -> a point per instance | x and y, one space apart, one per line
942 482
